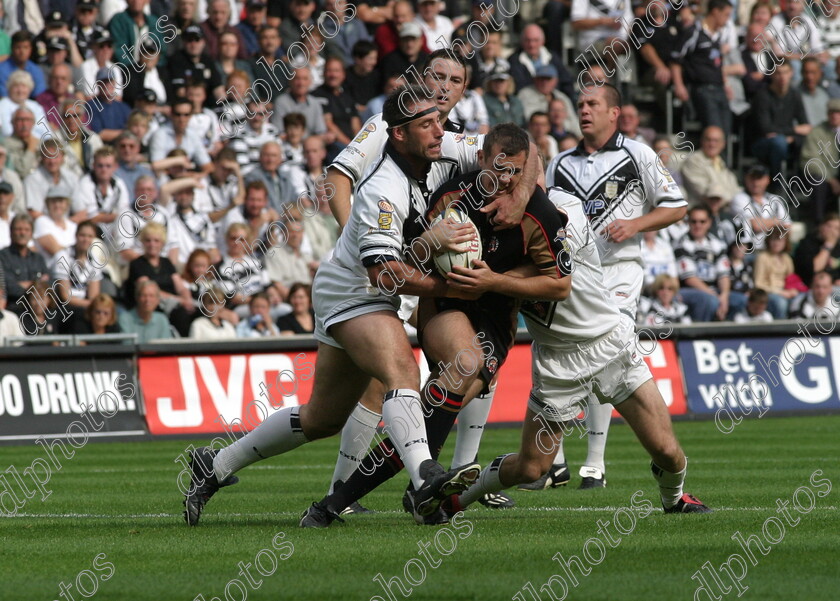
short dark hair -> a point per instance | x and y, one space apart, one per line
537 114
256 184
394 109
226 154
22 35
508 138
294 119
718 5
446 54
705 208
613 95
362 48
757 295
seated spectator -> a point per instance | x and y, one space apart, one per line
287 263
704 272
145 209
84 27
54 231
299 100
437 29
387 35
22 266
192 229
255 18
780 123
228 60
537 96
299 17
502 106
253 134
662 307
758 212
814 95
343 35
79 142
178 135
723 221
364 80
302 318
101 197
339 107
9 322
259 322
409 53
531 55
20 59
20 87
801 37
253 212
210 325
77 279
658 258
563 123
267 68
12 179
22 147
149 82
740 272
820 251
94 68
198 277
143 126
321 226
203 121
375 105
295 126
756 309
757 61
598 25
629 124
821 150
7 197
664 149
218 22
100 317
701 169
490 59
194 62
538 130
773 267
144 320
126 26
819 303
51 173
283 182
110 114
242 275
131 165
41 318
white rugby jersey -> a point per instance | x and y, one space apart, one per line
390 204
587 312
623 180
367 147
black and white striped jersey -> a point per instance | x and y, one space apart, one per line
623 180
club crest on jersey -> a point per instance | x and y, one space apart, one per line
611 189
471 140
369 129
493 245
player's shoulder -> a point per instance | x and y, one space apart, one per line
372 126
638 150
542 209
383 178
456 141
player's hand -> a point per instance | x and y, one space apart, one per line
505 212
478 280
448 235
621 230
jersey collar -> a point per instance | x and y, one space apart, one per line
614 143
453 126
402 163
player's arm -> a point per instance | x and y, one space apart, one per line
509 209
396 277
481 279
660 217
342 187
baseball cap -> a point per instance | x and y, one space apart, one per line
256 5
104 74
148 95
757 171
194 31
498 72
59 191
86 5
56 19
6 188
103 37
834 104
480 2
546 71
410 30
56 43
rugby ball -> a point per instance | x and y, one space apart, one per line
446 260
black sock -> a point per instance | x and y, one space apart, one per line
440 411
380 465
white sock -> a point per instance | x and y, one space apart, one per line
405 426
355 442
488 481
670 484
471 422
598 425
560 457
280 432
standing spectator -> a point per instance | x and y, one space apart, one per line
21 265
219 22
706 167
780 122
129 27
758 212
773 267
703 269
340 114
502 106
437 29
820 251
144 320
255 18
797 34
820 146
532 55
814 95
302 318
22 146
662 307
99 196
299 100
21 59
409 52
178 135
363 80
598 24
758 62
697 67
756 309
19 85
49 174
818 303
53 231
110 115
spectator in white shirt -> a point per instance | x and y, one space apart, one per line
54 231
101 196
818 303
50 173
756 309
436 27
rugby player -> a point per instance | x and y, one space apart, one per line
356 297
467 342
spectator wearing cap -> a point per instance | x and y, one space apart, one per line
151 82
21 265
821 150
19 86
79 142
22 146
56 34
54 231
387 36
342 36
195 63
300 15
299 100
109 114
51 173
255 18
779 121
536 96
218 22
10 177
502 105
758 212
130 163
531 55
94 69
706 167
60 81
363 80
131 29
84 27
437 28
409 52
7 199
21 59
723 221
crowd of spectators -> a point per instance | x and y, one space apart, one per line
159 159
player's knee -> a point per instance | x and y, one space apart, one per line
530 470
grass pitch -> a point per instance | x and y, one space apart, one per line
121 500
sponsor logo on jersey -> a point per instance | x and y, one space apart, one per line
369 129
385 206
385 220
